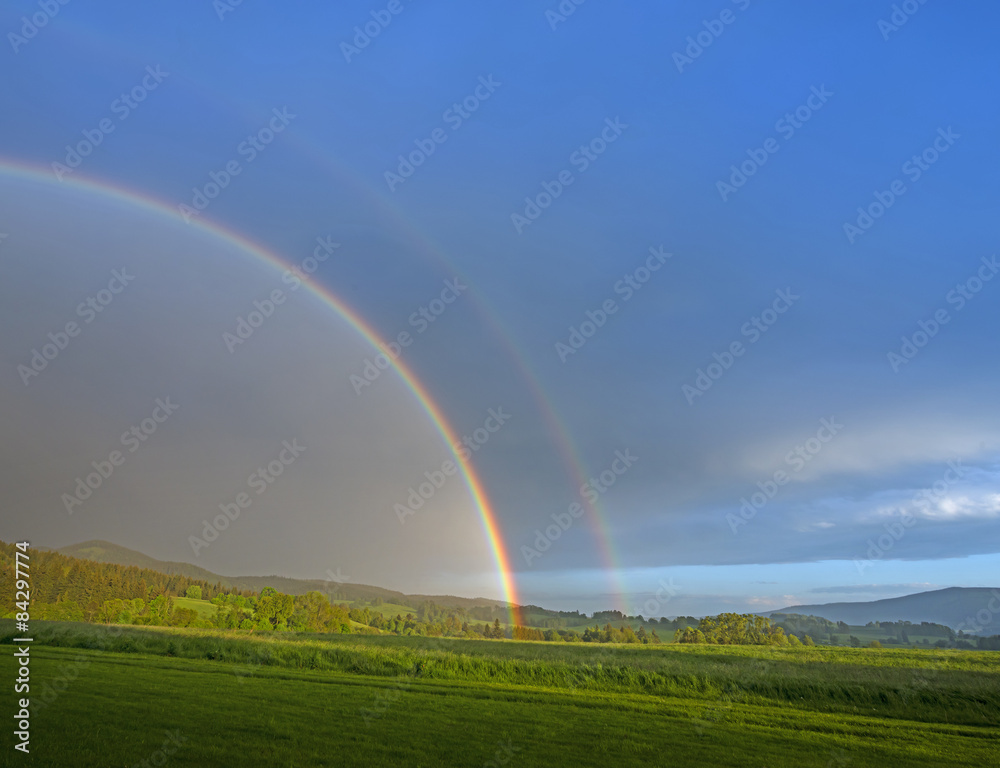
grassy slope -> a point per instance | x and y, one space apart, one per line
312 700
118 708
204 608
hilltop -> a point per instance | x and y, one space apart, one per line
976 610
106 552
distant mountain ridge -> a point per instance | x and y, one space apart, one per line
976 610
106 552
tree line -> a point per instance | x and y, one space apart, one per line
65 588
70 589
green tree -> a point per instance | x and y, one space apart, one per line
159 609
273 609
194 592
183 617
689 635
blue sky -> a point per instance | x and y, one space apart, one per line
740 137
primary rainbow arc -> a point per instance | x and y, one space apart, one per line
472 481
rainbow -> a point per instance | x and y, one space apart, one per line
487 514
94 39
565 447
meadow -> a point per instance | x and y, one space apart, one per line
115 696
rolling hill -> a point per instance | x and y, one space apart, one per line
106 552
976 610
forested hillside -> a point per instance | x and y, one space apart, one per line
66 588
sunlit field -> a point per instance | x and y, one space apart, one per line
232 699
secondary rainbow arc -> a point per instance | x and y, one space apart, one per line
555 426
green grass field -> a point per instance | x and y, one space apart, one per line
236 699
204 608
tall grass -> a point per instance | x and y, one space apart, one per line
960 687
